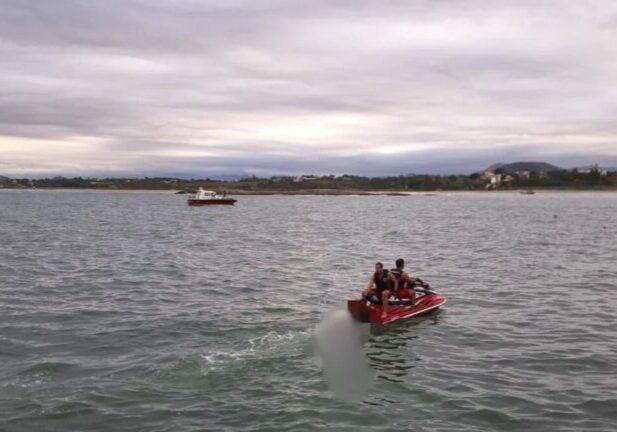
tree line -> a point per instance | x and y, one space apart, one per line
563 179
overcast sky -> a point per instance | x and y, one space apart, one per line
196 88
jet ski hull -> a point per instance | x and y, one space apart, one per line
372 313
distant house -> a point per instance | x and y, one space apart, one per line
595 168
303 178
488 174
495 181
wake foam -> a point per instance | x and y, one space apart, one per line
255 348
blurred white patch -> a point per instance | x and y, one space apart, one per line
338 345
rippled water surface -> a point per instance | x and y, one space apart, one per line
135 312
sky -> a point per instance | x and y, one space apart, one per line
197 88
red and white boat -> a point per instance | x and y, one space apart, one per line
206 197
370 312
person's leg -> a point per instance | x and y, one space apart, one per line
385 297
367 292
411 283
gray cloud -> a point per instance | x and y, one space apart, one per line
293 86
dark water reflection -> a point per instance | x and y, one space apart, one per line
387 346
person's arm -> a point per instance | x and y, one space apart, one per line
394 280
409 278
370 283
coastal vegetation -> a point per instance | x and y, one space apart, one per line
493 178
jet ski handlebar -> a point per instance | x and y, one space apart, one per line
422 284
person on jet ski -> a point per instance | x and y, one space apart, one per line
381 284
405 282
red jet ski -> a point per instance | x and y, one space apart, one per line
369 311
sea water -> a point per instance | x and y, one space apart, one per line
134 312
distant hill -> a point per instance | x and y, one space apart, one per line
524 166
494 166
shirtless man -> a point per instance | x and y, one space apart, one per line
381 283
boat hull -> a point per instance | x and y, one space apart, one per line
373 313
203 202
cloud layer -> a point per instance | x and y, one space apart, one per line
370 87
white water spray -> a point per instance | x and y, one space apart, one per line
338 344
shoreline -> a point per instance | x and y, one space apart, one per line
326 192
